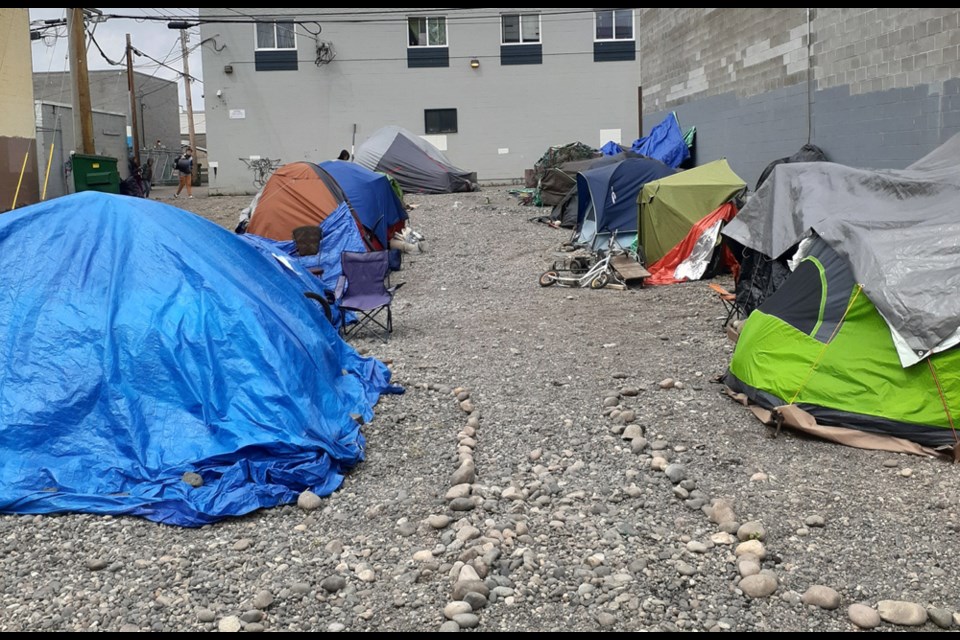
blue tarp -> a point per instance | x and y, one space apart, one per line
340 234
141 342
371 196
607 200
611 149
665 143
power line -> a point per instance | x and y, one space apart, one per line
397 15
163 64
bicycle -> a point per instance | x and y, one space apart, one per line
262 169
582 273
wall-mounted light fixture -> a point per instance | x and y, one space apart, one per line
474 63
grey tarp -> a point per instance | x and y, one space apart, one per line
898 229
417 165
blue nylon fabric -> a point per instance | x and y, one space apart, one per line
665 143
371 195
612 189
141 341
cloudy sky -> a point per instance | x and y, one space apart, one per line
151 36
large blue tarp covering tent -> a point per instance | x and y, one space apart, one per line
372 197
141 342
665 143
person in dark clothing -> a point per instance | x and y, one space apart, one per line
184 166
148 177
344 155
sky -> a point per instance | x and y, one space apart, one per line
151 37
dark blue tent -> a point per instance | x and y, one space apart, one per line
371 196
607 200
665 143
141 342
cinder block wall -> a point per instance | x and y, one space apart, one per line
884 90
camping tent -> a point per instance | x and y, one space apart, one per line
607 200
339 234
759 275
863 334
806 153
372 197
669 208
558 155
144 342
557 182
416 164
298 194
558 187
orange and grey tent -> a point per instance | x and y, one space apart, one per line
296 195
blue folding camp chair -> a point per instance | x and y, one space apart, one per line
362 288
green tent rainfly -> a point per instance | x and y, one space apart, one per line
669 207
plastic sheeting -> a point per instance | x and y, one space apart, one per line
142 342
898 229
665 143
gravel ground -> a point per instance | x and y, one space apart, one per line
534 477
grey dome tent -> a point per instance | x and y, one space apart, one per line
417 165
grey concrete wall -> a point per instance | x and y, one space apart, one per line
158 100
884 91
508 115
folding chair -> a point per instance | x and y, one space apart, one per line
362 288
729 301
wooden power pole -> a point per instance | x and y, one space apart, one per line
133 103
189 92
82 110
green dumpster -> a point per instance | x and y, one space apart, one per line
95 173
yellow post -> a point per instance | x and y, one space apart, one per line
47 177
16 193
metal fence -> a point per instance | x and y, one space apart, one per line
163 171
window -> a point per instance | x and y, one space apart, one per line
440 120
614 24
520 28
427 32
276 35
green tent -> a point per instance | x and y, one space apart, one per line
820 344
668 208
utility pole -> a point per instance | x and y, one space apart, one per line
82 111
186 86
133 103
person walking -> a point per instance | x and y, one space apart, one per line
184 165
148 177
